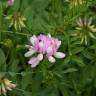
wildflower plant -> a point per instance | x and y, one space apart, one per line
16 20
10 2
41 45
48 47
74 3
85 29
6 85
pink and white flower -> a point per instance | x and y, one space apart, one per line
10 2
43 45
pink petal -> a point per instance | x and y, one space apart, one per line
49 51
34 62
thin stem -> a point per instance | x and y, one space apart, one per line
17 73
11 32
1 12
22 90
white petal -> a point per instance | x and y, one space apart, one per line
90 21
51 59
85 21
33 39
49 35
79 22
40 57
78 28
91 35
8 88
31 48
27 46
59 43
29 53
3 88
0 90
59 55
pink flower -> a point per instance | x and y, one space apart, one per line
10 2
43 45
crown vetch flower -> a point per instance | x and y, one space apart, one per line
5 85
43 45
10 2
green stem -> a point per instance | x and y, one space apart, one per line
1 12
68 39
18 33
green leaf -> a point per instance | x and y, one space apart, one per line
70 70
78 61
77 50
67 60
16 5
2 57
2 74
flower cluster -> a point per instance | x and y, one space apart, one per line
5 85
74 3
85 29
10 2
16 20
43 45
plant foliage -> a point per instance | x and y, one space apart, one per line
75 75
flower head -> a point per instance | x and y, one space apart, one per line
10 2
85 29
5 85
74 3
43 45
17 21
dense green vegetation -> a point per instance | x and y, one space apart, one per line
71 21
